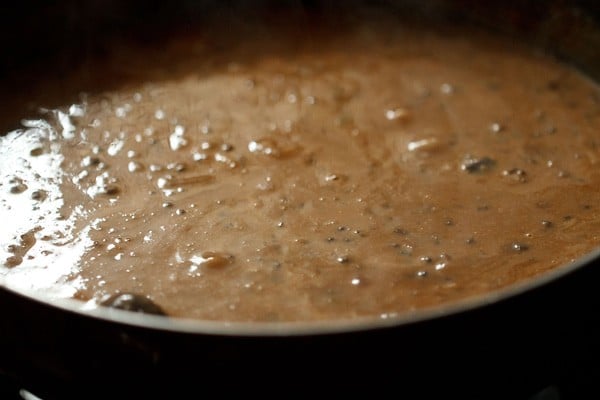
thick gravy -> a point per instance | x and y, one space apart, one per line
371 172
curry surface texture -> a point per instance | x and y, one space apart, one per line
373 171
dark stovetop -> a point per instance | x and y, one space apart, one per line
583 382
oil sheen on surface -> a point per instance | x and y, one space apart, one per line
372 172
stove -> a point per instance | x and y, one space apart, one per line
581 382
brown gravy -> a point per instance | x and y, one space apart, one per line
369 173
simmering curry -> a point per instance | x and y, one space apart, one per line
372 170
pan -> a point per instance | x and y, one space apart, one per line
523 341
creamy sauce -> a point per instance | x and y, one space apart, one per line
370 173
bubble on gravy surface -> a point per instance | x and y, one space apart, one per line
372 172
